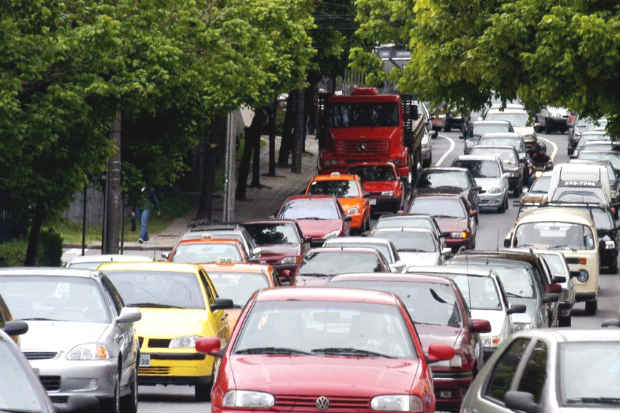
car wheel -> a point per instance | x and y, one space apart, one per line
446 128
564 321
547 128
613 268
113 404
129 403
202 389
504 206
591 307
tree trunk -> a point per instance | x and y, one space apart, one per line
287 136
207 164
252 134
300 131
256 148
114 203
34 236
272 138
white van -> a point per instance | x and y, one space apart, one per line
572 182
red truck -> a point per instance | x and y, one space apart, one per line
370 127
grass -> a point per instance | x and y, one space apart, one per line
173 205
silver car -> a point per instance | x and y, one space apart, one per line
552 370
91 262
489 175
415 246
81 339
383 246
485 297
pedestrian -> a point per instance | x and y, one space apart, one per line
147 201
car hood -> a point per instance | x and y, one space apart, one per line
305 281
315 375
536 198
59 335
448 224
524 130
386 132
419 258
279 251
495 317
440 334
318 228
168 323
488 183
380 186
347 203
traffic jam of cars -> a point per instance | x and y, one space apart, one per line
365 293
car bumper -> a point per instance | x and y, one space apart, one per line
64 378
585 296
176 368
450 388
491 201
456 243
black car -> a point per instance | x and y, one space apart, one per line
448 180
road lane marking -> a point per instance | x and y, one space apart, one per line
445 155
555 147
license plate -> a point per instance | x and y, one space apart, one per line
445 394
373 201
145 360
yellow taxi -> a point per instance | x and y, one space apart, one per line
348 189
238 282
179 304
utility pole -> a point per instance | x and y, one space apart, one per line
229 171
113 202
300 131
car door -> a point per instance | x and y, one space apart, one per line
219 316
533 374
122 334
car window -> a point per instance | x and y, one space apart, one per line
272 233
372 173
211 294
197 253
535 372
554 235
114 295
505 369
341 189
309 209
442 179
479 168
437 207
238 286
331 263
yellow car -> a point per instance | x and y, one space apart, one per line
179 304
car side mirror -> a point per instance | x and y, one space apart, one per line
222 304
550 298
477 188
397 266
516 309
446 251
461 137
129 315
507 242
165 255
520 400
506 175
257 252
348 219
439 352
209 345
558 279
15 327
480 326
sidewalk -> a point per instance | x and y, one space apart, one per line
260 203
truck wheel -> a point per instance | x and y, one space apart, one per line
591 307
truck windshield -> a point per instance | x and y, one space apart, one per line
351 115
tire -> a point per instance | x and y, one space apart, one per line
613 268
564 321
591 307
113 404
547 128
129 403
446 128
504 206
202 389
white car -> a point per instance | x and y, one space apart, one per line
91 262
383 246
415 246
518 118
490 176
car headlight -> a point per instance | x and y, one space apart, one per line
459 235
387 193
183 342
491 341
521 326
583 276
397 403
454 362
248 399
288 260
332 234
89 351
538 174
495 190
354 210
610 245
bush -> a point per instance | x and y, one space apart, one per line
13 253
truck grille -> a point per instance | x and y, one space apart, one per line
39 355
154 371
361 147
50 383
159 342
308 403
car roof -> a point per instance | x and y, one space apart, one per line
444 169
109 258
48 271
390 276
326 294
148 267
500 135
270 221
564 335
235 267
335 176
343 249
502 147
402 229
371 164
215 227
508 109
552 214
355 240
450 269
477 158
521 255
211 241
310 197
491 122
428 195
406 216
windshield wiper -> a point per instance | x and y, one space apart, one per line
11 410
514 295
153 305
597 400
413 250
562 247
38 319
270 350
349 351
445 216
313 274
314 218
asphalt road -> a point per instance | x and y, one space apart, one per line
493 228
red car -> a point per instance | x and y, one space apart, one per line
452 215
324 349
319 216
380 180
440 314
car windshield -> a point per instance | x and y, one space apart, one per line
556 263
588 374
17 393
603 220
196 253
335 328
515 142
54 298
573 195
159 289
321 264
438 207
238 286
482 128
589 137
340 189
613 157
271 234
556 235
309 209
507 156
517 119
372 173
541 184
405 222
351 115
383 248
443 179
517 280
479 292
409 241
598 146
479 168
427 303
